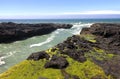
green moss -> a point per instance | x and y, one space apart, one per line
55 52
98 50
86 70
88 37
51 52
31 70
98 54
92 40
110 55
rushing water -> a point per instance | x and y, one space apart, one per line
13 53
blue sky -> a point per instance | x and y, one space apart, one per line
47 8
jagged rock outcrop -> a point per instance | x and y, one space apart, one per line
108 39
107 36
10 32
105 30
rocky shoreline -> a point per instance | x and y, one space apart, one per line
10 32
94 54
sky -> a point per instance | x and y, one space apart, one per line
56 8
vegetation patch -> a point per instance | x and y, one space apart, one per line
30 69
86 70
52 51
98 54
88 37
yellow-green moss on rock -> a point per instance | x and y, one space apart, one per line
98 54
83 45
86 70
88 37
52 51
30 69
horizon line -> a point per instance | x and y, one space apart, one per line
85 14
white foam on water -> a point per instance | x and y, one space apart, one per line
58 31
42 43
74 30
77 27
53 35
2 62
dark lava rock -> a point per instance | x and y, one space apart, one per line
105 29
42 78
108 36
76 55
68 76
57 63
38 55
75 47
108 39
111 67
85 31
10 32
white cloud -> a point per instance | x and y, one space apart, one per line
56 15
95 12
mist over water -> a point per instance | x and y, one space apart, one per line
13 53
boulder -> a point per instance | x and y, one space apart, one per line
57 63
38 55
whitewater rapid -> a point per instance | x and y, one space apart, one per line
74 30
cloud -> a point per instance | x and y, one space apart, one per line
85 14
95 12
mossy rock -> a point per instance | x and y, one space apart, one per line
86 70
89 37
98 54
30 69
97 63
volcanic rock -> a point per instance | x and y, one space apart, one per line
10 32
108 36
106 30
38 55
57 63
